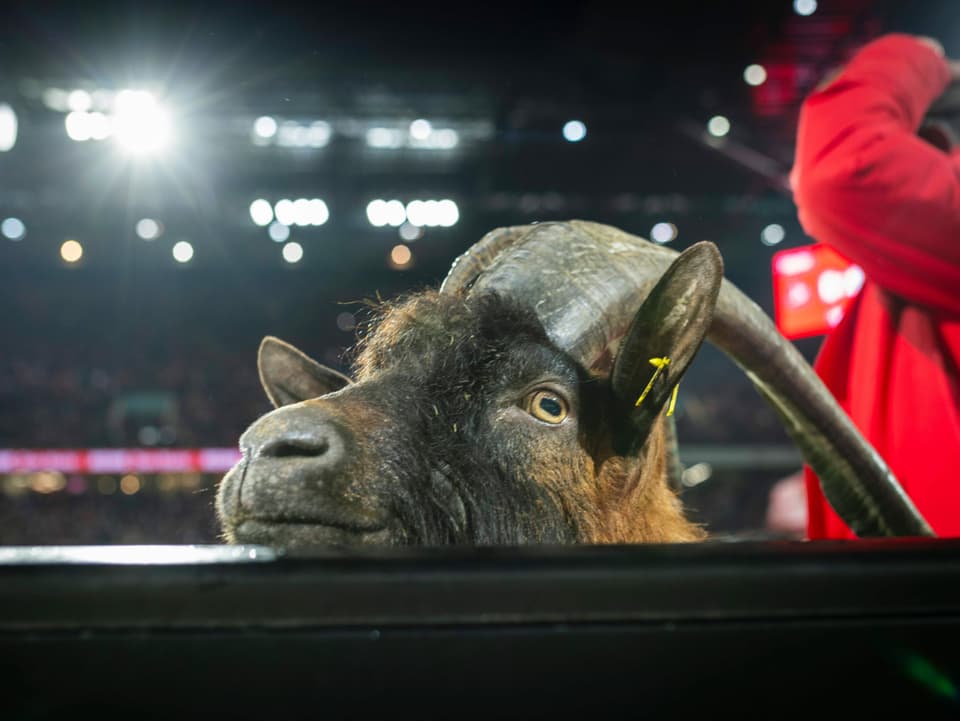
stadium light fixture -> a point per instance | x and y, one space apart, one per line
141 125
8 128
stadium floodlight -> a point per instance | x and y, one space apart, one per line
420 129
182 251
447 213
411 232
261 212
148 229
99 125
755 75
377 212
8 127
79 100
265 127
385 138
283 210
394 213
292 252
318 134
663 232
444 139
78 126
71 251
13 228
574 131
302 212
141 125
772 234
400 257
417 213
319 212
278 232
718 126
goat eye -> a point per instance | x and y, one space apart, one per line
547 406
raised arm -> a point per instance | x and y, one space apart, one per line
865 183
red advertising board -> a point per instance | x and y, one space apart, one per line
812 286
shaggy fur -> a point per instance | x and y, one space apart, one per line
443 450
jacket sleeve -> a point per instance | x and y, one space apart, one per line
867 185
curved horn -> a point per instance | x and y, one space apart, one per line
477 258
586 281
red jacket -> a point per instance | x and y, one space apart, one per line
867 185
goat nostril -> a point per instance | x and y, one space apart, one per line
295 447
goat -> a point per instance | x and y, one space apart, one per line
528 401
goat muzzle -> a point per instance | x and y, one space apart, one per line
296 483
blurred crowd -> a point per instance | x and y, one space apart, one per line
195 391
183 373
193 395
94 519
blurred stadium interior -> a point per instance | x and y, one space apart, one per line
235 170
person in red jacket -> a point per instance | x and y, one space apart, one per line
867 184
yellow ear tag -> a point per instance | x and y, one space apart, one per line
659 364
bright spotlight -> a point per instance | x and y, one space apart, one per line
574 131
772 234
394 213
805 7
148 228
318 134
265 127
663 232
418 213
79 100
400 257
99 125
384 138
278 232
444 139
319 213
420 129
140 125
78 126
182 251
755 75
284 211
302 212
291 134
377 212
71 251
13 228
447 213
411 232
718 126
8 128
261 212
292 252
56 99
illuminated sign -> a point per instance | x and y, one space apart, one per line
812 287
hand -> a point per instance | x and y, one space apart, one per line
936 45
954 66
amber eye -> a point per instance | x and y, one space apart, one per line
546 406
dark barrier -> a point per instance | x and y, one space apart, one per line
717 630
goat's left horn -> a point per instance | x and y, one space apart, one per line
586 280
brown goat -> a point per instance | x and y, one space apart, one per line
528 402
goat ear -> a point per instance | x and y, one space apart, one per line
671 324
289 376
